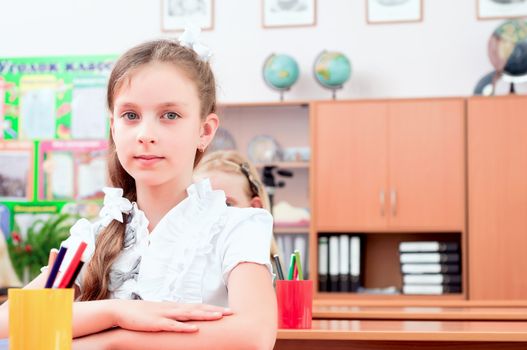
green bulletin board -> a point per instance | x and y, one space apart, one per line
46 99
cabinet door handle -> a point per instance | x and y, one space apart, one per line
393 198
382 199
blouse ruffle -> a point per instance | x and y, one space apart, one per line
170 262
174 265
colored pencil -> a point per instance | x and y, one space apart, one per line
299 265
278 267
291 267
55 269
73 265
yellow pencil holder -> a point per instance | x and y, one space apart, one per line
40 319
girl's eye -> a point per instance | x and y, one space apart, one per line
171 115
130 116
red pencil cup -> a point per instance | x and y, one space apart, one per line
295 303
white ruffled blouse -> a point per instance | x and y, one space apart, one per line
188 256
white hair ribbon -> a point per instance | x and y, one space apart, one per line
190 39
114 205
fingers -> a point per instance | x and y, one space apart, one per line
211 308
195 315
179 327
202 307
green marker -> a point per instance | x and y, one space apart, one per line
299 265
291 267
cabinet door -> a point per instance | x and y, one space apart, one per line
427 165
497 190
349 146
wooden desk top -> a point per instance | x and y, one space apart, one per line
419 313
419 300
423 331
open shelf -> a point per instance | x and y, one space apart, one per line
291 229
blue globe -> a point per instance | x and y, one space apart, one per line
332 69
508 48
280 71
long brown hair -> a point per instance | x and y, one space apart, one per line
110 240
232 162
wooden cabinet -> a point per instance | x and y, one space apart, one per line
350 164
497 192
389 165
427 165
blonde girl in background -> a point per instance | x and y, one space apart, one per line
168 251
231 172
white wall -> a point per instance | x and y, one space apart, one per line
444 55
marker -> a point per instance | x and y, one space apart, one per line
278 267
55 269
291 267
299 265
75 274
73 265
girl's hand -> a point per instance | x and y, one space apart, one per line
149 316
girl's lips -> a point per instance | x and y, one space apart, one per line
148 160
147 157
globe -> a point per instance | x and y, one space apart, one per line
332 69
280 72
508 49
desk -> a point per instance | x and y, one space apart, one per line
402 335
458 313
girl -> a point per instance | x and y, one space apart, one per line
164 247
238 178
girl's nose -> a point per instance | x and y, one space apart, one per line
147 133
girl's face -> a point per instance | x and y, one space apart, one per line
156 125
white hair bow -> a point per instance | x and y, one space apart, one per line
189 39
114 205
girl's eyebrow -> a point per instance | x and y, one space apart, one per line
127 105
161 105
173 104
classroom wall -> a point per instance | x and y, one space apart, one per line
444 55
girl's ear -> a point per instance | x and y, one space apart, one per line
256 202
208 129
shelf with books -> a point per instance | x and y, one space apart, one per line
374 267
368 181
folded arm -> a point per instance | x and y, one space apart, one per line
252 326
91 317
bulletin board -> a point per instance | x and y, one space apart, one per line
54 97
53 136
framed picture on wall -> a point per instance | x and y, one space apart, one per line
496 9
16 170
394 11
288 13
176 14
